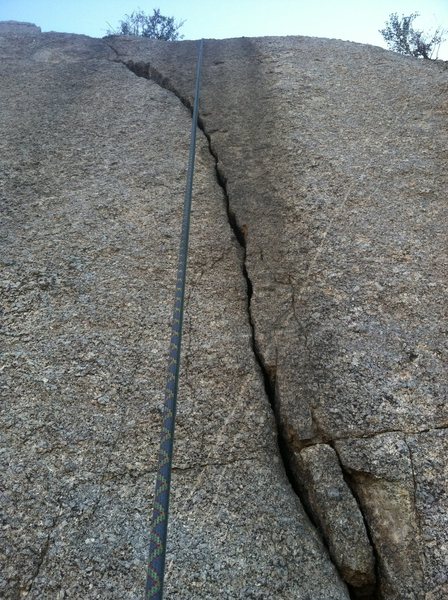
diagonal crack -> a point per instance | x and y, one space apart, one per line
147 71
42 556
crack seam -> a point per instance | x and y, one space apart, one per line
416 511
42 556
350 482
145 70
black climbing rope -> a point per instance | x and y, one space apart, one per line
158 535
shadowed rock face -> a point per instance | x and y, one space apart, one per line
316 285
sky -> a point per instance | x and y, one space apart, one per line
354 20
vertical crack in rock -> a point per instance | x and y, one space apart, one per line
40 562
147 71
415 498
369 592
336 511
414 481
372 593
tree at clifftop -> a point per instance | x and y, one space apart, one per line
155 26
401 37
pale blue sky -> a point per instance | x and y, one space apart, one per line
355 20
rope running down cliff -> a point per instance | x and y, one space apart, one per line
158 535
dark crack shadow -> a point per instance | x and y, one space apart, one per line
40 563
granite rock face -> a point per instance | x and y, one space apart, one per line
93 175
333 157
316 285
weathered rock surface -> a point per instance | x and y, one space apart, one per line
331 162
93 175
333 155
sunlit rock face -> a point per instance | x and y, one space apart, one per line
311 430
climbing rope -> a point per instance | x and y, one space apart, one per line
158 535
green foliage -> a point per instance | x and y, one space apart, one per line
401 37
155 26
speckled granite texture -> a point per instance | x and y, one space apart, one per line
316 285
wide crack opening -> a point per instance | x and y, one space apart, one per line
145 70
